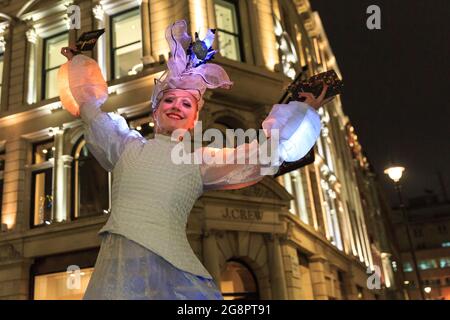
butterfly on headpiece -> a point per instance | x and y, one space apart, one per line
187 67
201 51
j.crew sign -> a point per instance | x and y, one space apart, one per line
242 214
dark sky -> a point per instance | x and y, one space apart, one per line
397 85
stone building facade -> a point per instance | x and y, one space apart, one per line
304 235
428 217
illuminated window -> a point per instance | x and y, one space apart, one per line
62 285
91 184
228 29
427 264
394 266
43 151
444 262
126 43
1 74
286 49
42 183
446 244
294 185
331 214
238 282
53 59
360 293
144 125
407 267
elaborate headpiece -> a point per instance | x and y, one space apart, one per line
187 68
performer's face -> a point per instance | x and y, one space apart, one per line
176 110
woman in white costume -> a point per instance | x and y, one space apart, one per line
145 253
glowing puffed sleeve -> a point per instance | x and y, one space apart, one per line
299 127
80 80
82 92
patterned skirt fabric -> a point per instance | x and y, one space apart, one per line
125 270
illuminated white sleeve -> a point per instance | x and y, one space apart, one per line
299 127
106 134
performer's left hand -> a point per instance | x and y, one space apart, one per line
68 52
314 102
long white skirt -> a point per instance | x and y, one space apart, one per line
125 270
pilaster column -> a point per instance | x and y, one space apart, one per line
349 286
147 57
317 269
14 273
60 192
210 255
14 185
5 48
31 57
276 266
99 15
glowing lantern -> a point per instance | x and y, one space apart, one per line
80 81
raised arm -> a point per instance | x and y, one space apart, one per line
298 126
82 91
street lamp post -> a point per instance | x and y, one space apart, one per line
395 173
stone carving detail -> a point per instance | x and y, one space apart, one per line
8 252
99 13
256 190
31 35
4 3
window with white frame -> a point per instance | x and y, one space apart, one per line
53 59
228 33
444 262
90 194
42 183
126 43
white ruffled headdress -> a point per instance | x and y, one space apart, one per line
187 68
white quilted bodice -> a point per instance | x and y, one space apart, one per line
151 201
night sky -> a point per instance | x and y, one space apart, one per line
397 92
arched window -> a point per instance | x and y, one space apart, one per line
90 193
238 282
